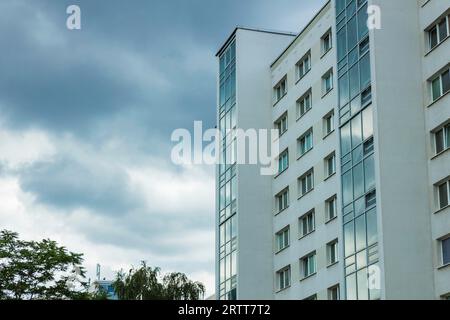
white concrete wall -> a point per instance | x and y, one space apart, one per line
254 53
400 150
435 115
324 233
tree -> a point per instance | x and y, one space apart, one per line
39 270
144 283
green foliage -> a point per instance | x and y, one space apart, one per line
39 270
144 283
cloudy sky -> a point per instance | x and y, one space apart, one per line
86 118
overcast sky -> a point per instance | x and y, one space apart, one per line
86 118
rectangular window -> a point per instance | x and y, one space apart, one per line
280 90
282 200
332 252
442 139
282 124
284 278
440 85
326 42
283 161
331 208
308 265
445 251
306 183
304 104
438 32
328 124
327 82
330 165
333 293
303 66
282 239
443 194
307 224
305 142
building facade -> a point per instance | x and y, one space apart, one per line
360 205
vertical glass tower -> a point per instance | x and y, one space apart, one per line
227 176
357 149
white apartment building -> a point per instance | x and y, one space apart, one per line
360 206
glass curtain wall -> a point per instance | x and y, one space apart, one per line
227 176
357 150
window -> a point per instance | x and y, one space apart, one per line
442 139
280 90
443 194
312 298
327 82
438 32
330 165
332 252
284 278
331 208
283 161
305 142
282 200
282 124
328 124
282 239
306 183
440 85
307 224
371 199
303 66
308 265
333 293
445 251
326 42
304 104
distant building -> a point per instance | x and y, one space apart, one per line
106 286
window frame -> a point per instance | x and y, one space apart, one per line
277 96
281 274
439 78
283 198
328 202
300 66
282 166
325 49
331 157
302 142
305 265
282 235
328 130
445 129
436 26
304 177
438 186
325 77
330 292
305 221
332 247
301 102
278 124
445 239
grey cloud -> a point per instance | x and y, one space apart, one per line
68 184
136 71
